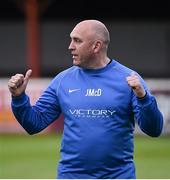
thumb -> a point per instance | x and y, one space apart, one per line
27 76
133 73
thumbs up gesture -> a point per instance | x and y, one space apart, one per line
18 83
134 82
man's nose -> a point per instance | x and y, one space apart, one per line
71 46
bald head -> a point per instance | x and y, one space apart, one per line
89 44
96 29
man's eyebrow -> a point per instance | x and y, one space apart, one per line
76 38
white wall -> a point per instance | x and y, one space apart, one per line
160 87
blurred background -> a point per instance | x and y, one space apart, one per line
35 34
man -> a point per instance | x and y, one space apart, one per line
101 99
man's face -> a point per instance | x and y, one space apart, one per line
81 46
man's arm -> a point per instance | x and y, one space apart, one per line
32 118
145 108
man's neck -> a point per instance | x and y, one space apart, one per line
100 64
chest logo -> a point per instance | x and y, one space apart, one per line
73 90
93 92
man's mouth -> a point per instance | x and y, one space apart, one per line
74 56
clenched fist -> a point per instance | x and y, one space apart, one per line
134 82
18 83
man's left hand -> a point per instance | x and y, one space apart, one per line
134 82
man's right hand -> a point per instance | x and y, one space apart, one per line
18 83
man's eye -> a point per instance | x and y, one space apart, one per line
77 40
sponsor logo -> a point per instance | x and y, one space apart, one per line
73 90
92 113
93 92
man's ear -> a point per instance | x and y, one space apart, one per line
97 46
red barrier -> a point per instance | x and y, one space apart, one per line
8 123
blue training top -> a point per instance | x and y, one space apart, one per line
99 110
